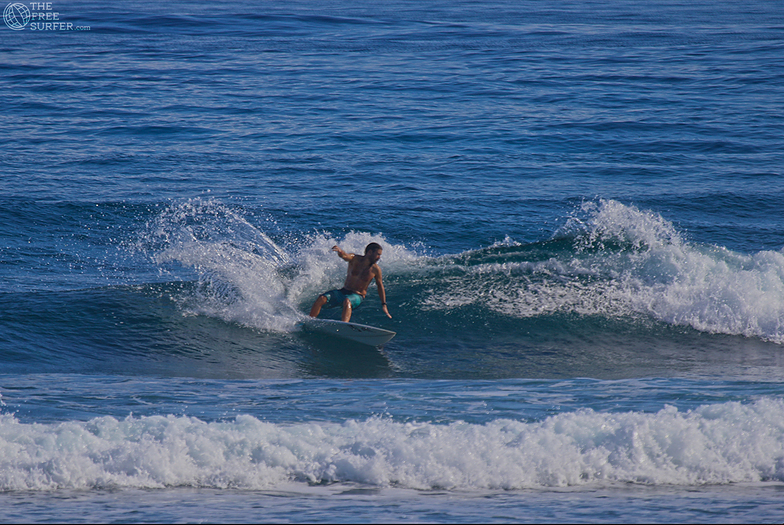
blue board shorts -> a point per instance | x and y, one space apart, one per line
335 298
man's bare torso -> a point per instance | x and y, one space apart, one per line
359 275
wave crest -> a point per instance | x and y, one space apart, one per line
617 261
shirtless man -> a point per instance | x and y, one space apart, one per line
361 270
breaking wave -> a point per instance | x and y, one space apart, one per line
715 444
609 259
618 261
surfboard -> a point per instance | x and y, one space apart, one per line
359 333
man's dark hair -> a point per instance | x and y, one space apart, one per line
372 247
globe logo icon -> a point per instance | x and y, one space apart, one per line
16 16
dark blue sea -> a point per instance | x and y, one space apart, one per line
581 209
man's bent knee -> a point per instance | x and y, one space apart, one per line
317 305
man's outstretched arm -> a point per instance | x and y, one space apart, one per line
343 255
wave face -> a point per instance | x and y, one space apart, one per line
608 260
715 444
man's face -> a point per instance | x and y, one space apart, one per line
375 256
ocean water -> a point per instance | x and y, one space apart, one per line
581 206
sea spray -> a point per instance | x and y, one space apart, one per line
244 276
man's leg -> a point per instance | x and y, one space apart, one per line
316 309
346 310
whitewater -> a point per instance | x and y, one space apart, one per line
714 444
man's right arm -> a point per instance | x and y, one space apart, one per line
343 255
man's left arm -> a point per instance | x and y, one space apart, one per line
381 294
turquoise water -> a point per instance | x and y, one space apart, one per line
580 206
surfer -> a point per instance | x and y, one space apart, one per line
362 269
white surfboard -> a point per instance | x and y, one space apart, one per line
360 333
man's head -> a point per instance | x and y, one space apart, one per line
373 250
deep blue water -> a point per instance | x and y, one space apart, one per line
581 206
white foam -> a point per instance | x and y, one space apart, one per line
713 444
627 262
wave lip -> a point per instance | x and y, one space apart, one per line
713 444
709 288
